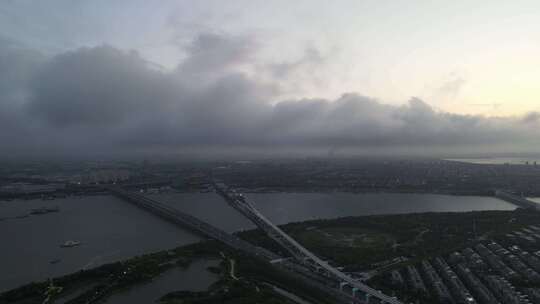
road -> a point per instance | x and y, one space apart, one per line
302 254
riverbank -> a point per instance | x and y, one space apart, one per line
363 246
112 278
99 284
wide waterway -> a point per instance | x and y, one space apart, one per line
111 229
284 208
534 199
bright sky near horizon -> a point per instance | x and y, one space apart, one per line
470 57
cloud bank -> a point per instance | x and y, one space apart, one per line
106 101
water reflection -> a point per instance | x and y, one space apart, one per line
194 278
109 230
112 230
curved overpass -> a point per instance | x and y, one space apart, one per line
301 253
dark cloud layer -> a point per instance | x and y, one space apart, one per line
101 100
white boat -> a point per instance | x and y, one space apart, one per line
70 243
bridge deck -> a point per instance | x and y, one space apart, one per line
299 251
193 223
519 201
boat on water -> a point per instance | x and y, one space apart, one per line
44 210
70 243
55 261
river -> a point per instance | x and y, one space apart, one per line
111 229
534 199
284 208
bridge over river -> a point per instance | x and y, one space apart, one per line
309 268
299 252
517 200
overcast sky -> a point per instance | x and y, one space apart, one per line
202 76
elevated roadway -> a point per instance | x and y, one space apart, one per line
519 201
192 223
298 271
299 252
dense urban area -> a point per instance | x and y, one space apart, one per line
37 179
